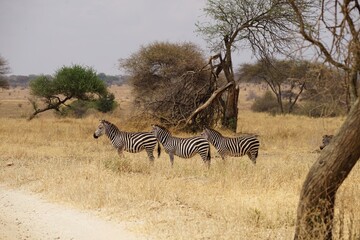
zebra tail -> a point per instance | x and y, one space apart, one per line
159 149
209 156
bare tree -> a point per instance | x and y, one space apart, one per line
339 20
262 25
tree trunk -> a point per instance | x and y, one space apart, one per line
354 85
315 212
231 109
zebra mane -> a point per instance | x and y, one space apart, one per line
162 127
104 121
213 130
109 123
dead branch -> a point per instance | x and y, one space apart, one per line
209 101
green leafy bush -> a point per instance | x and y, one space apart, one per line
106 103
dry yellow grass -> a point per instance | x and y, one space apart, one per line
232 200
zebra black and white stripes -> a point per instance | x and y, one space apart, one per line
236 147
132 142
182 147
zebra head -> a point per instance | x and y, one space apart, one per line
100 129
160 132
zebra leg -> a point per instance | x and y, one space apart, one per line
222 154
206 158
171 155
120 151
150 154
207 163
252 157
158 149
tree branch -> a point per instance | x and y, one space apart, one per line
313 41
54 106
209 101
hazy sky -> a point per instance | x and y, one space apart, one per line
40 36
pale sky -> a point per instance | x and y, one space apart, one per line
40 36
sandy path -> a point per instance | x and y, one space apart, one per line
24 215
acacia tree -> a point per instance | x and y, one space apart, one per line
169 82
75 82
286 78
317 21
261 25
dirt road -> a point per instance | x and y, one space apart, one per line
24 215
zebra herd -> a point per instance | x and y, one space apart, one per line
134 142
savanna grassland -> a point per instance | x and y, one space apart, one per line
60 159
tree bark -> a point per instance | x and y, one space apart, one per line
231 108
315 212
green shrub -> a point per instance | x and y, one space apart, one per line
266 103
77 109
106 103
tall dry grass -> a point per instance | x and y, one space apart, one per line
60 159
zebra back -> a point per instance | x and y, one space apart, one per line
129 141
182 147
237 146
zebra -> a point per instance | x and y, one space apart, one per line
236 147
132 142
182 147
326 140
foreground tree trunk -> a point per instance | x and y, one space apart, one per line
231 109
317 199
